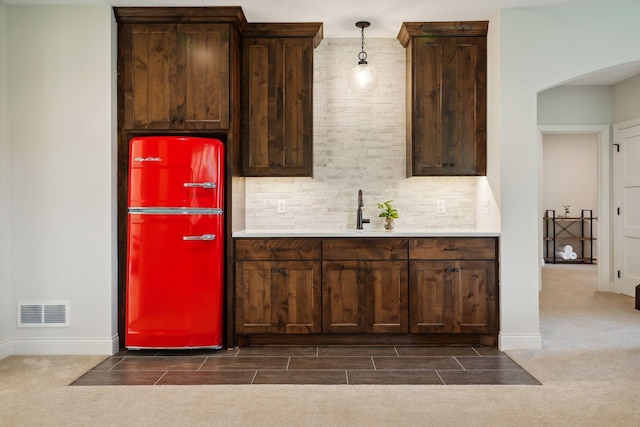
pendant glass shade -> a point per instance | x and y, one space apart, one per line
363 78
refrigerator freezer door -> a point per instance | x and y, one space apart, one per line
174 281
179 172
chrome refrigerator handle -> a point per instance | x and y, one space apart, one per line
200 184
203 237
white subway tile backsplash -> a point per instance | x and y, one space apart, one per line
359 143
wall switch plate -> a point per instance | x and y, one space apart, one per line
282 207
440 206
487 207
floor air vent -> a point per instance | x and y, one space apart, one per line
43 314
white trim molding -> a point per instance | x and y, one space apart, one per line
5 349
507 341
59 346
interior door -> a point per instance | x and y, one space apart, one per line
627 199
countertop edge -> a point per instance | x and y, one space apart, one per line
366 233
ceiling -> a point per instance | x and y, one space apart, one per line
386 16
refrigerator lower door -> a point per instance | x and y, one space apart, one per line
174 281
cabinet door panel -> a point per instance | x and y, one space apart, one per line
176 76
447 133
430 309
299 297
473 296
387 296
260 102
277 106
427 105
256 298
151 101
296 103
203 71
462 108
342 298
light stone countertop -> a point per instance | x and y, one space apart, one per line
398 232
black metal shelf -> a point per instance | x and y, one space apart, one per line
578 229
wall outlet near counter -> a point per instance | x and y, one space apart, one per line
282 207
440 206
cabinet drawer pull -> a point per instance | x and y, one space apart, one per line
451 249
278 249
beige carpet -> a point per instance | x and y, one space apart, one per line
589 367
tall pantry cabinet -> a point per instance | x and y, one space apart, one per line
178 74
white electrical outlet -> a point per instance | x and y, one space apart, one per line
487 207
440 206
282 207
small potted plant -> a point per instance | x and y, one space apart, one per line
389 213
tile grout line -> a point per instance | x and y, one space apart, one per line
458 362
203 362
161 376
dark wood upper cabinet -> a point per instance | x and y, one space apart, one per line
177 75
446 97
277 98
175 67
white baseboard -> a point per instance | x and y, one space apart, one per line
5 349
58 346
508 341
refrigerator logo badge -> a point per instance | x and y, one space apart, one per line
147 159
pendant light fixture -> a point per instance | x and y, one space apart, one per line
363 78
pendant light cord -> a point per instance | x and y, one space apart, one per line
362 56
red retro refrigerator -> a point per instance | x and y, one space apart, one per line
175 242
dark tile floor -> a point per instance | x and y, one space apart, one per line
310 365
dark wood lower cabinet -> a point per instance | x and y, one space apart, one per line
364 296
452 296
280 297
428 291
342 297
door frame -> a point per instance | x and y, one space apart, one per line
615 226
604 225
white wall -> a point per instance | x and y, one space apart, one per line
5 248
59 136
359 143
540 49
570 177
576 105
626 95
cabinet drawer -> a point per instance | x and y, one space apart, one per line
452 248
277 249
364 249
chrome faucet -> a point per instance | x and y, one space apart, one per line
359 219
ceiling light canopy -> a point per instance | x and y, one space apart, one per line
363 78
